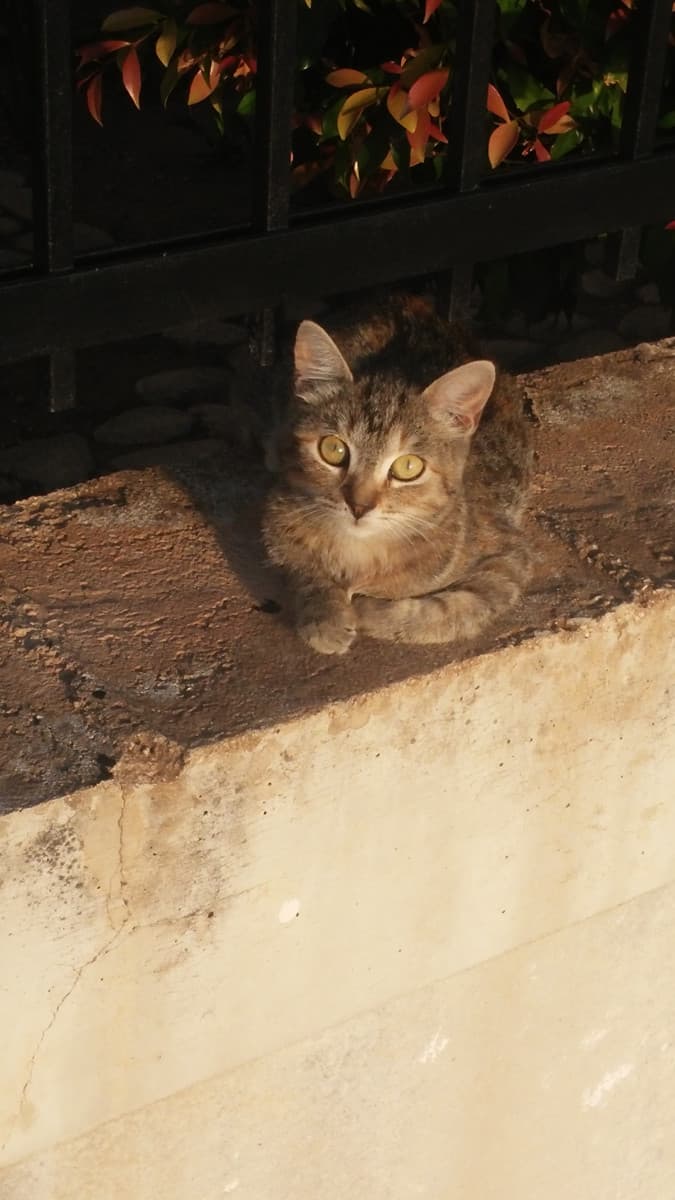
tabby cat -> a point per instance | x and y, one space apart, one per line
402 466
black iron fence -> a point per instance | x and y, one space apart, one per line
65 303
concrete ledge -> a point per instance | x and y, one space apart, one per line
139 604
399 925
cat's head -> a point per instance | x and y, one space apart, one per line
370 453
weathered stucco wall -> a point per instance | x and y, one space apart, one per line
391 926
418 944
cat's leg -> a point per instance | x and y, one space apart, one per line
456 613
325 619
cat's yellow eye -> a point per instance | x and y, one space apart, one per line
407 467
334 451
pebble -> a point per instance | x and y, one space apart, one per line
9 226
144 426
185 383
587 343
49 462
649 293
511 352
601 285
10 258
218 419
646 323
88 238
208 333
197 453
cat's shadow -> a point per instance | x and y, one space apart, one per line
230 496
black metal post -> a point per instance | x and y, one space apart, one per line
277 25
53 175
467 128
652 20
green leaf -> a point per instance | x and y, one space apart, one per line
171 77
246 106
566 142
511 8
667 121
527 92
131 18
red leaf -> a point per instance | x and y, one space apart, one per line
94 97
208 14
427 87
436 132
553 115
429 9
670 225
540 151
495 104
131 75
502 141
97 50
392 68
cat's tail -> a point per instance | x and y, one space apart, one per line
454 614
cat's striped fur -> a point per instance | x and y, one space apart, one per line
430 560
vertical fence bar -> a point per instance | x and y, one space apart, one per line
652 20
467 131
277 26
53 172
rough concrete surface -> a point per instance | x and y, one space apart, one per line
139 604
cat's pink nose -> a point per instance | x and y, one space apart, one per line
358 507
360 510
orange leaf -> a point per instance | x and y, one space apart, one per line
98 50
345 77
419 137
208 14
502 141
550 118
131 75
397 103
353 107
437 133
362 98
354 185
427 87
388 164
95 97
495 104
200 88
429 9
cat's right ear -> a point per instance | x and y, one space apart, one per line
317 359
461 395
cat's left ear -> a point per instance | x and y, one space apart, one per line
461 395
317 358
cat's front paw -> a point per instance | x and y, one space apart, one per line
376 618
327 637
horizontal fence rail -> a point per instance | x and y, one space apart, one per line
62 306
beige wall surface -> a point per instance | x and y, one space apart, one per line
421 943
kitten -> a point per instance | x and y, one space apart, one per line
396 514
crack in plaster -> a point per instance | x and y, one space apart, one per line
23 1110
118 875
